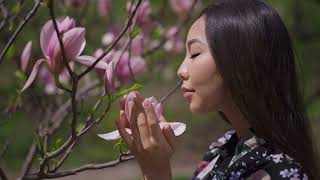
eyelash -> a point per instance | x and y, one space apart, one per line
194 55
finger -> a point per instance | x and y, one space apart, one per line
142 124
152 120
127 138
134 128
169 135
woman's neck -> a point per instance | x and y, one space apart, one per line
237 119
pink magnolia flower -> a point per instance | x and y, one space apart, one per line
174 41
104 7
177 127
73 40
105 67
25 56
109 77
137 45
181 7
143 13
126 71
75 3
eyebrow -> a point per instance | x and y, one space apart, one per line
193 41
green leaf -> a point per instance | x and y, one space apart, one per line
80 127
16 8
135 32
156 34
20 75
135 87
58 142
120 145
39 141
10 52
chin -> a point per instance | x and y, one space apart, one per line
195 108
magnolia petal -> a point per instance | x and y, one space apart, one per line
33 74
158 110
66 24
74 42
109 77
129 104
89 60
45 36
156 106
114 135
25 56
177 127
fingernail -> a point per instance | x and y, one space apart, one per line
146 103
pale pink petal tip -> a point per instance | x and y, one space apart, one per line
177 127
114 135
33 74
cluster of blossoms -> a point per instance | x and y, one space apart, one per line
116 67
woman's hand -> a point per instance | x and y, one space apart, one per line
152 146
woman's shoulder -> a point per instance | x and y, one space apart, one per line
280 166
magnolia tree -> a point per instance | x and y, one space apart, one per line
110 72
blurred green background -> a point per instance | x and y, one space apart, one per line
302 18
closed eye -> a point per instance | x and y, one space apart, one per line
194 55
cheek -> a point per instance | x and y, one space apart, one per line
208 85
209 97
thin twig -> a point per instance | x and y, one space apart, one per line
28 162
113 163
113 43
171 92
62 112
4 148
18 30
4 12
180 26
56 28
64 157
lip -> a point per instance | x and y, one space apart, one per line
185 89
187 92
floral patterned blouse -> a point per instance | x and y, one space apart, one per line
249 158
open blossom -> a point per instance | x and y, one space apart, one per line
177 127
174 41
25 56
126 71
73 40
104 7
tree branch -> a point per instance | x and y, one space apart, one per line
18 30
28 162
113 163
64 58
113 43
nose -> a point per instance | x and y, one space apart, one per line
183 71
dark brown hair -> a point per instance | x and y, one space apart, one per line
254 55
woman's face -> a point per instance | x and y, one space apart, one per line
202 84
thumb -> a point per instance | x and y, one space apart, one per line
169 135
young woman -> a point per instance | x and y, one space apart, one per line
239 62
